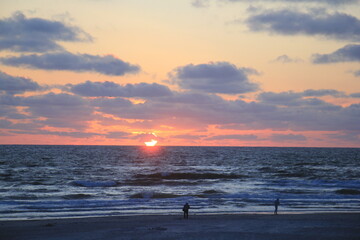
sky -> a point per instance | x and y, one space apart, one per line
182 72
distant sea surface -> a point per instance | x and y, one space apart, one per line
39 182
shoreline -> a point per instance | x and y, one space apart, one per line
208 226
310 212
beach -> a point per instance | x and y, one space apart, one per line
232 226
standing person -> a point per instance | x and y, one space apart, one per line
276 203
186 210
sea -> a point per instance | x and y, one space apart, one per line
45 182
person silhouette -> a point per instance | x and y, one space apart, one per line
276 204
186 210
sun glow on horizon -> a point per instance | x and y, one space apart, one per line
151 143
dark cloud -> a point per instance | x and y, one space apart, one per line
74 134
330 2
241 137
349 53
323 92
9 107
180 107
108 65
293 111
283 98
276 111
206 3
111 89
355 95
287 59
287 137
11 112
21 34
9 99
214 77
31 126
146 137
189 137
347 136
14 85
112 105
335 25
60 110
5 123
117 135
357 73
297 98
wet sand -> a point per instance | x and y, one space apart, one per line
240 226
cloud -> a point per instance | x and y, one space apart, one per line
317 22
287 137
297 98
355 95
283 98
323 92
330 2
176 109
206 3
117 135
4 123
287 59
8 107
21 127
108 65
349 53
214 77
14 85
9 99
146 137
357 73
200 3
276 111
347 136
21 34
111 89
189 137
75 134
294 100
60 110
241 137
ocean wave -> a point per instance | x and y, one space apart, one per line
348 192
77 196
189 176
24 197
85 183
317 183
302 174
212 191
154 195
151 182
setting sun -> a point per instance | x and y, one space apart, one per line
151 143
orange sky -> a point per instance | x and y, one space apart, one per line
203 73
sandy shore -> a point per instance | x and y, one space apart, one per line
242 226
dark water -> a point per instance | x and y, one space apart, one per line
72 181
